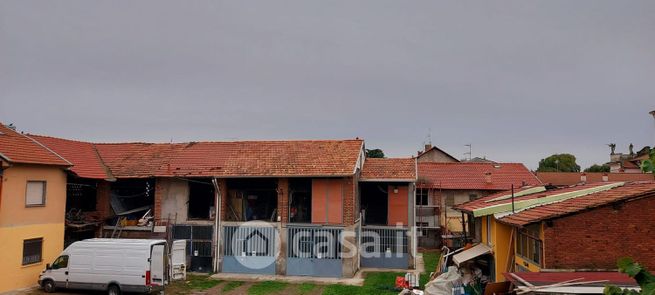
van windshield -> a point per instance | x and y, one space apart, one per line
60 262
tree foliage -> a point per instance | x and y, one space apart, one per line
645 279
598 168
559 163
374 153
649 164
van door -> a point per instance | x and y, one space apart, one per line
157 267
59 271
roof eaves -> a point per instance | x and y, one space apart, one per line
5 157
387 180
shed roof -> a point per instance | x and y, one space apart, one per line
19 148
389 169
578 198
472 176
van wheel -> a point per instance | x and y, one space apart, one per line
114 290
48 286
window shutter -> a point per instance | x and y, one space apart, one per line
35 193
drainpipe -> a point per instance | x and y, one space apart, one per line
217 223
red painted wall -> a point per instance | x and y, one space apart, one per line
597 238
398 205
327 201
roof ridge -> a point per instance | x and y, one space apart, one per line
47 148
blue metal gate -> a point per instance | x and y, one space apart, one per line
384 247
314 251
249 249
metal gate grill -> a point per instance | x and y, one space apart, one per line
249 249
384 247
199 245
314 251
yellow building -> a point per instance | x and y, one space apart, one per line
32 208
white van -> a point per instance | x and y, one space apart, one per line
113 265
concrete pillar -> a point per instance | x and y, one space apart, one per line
281 259
350 252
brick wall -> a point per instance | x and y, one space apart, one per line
597 238
349 189
159 196
283 199
103 206
222 186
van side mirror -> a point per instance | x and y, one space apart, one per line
48 267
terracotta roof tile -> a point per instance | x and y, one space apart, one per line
83 155
233 159
19 148
472 175
571 178
389 169
556 209
559 208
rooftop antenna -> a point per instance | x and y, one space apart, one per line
469 153
430 132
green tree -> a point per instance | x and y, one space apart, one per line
559 163
649 164
374 153
645 279
598 168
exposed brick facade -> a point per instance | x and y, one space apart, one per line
598 237
222 186
159 196
350 187
283 199
103 194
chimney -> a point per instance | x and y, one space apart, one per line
428 146
605 177
487 177
583 177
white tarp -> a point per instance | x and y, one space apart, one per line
444 283
473 252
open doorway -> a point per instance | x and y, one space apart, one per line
201 199
252 199
300 200
374 198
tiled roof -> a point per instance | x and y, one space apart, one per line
233 159
18 148
571 178
389 169
555 209
472 176
83 155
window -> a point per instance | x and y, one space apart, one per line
450 200
61 262
529 246
35 193
422 197
32 251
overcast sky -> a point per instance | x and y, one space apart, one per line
520 80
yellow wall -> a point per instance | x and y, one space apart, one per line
500 244
18 223
526 263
